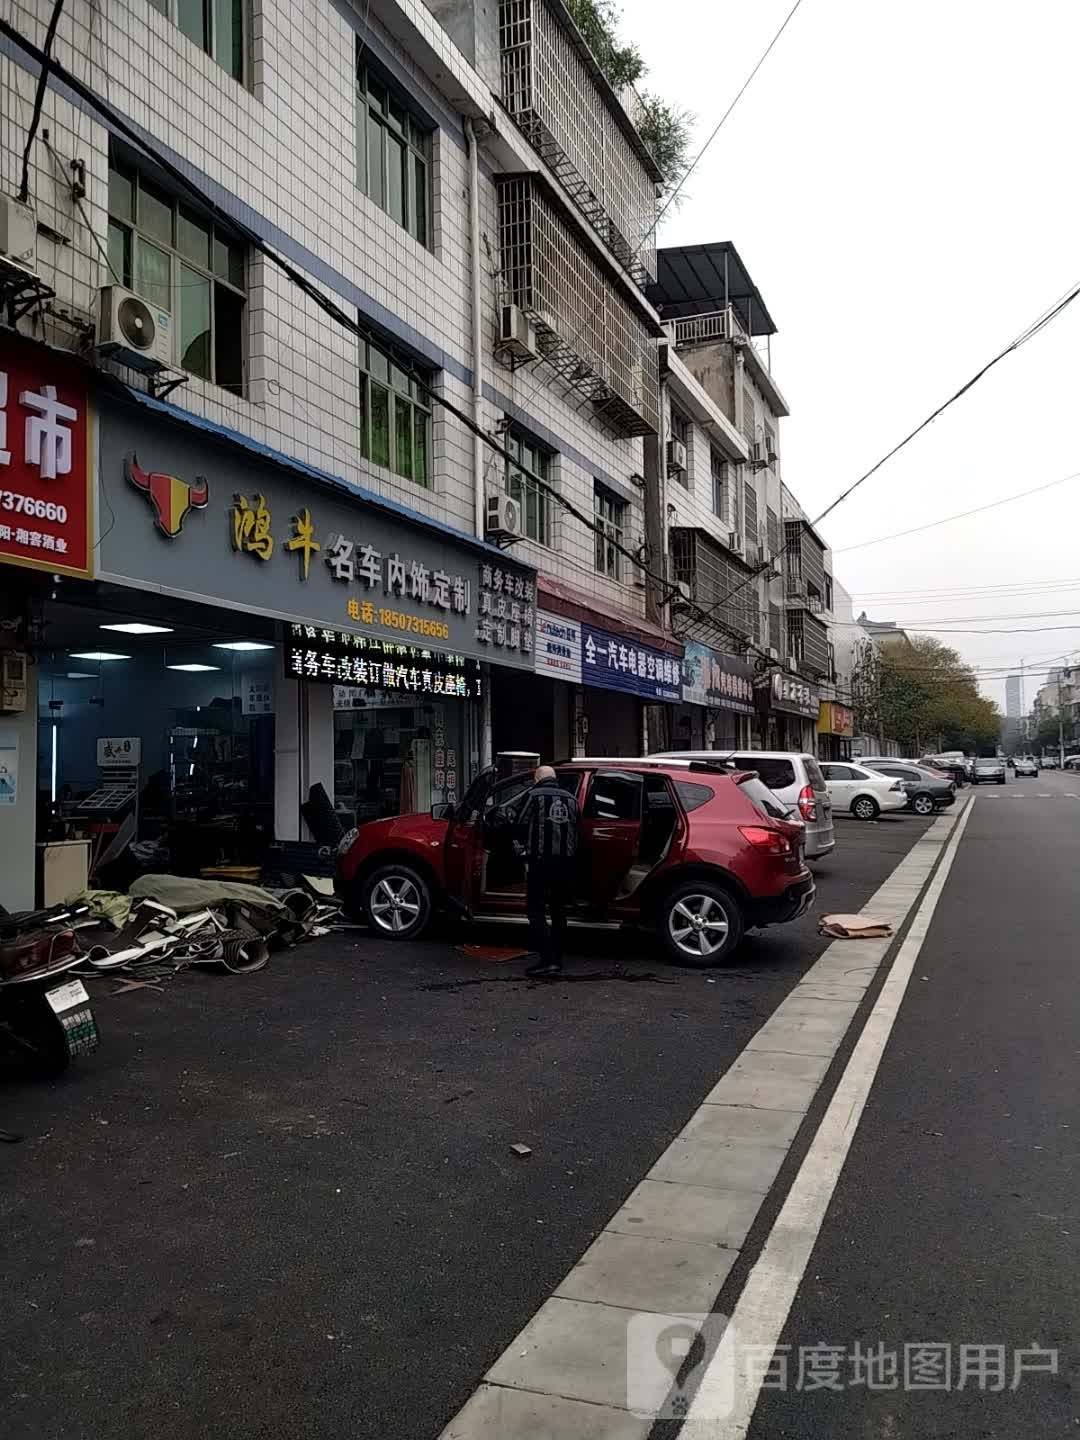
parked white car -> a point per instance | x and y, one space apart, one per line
861 792
794 778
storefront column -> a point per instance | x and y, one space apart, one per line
318 759
18 822
579 739
287 796
486 755
303 751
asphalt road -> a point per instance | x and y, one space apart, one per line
286 1204
956 1219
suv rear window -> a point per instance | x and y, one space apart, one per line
763 799
777 774
691 796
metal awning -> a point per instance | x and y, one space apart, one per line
697 279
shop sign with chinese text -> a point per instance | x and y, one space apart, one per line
711 678
558 647
836 719
792 694
613 662
198 518
45 466
365 662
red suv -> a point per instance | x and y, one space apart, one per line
694 851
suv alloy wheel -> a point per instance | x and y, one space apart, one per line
700 923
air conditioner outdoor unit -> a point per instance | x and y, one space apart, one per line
18 234
502 519
735 542
774 654
137 334
676 456
776 570
516 336
770 448
759 454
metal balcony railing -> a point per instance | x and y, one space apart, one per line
585 331
550 90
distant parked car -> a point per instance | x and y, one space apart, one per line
949 765
1026 765
859 791
926 791
793 777
1049 762
989 770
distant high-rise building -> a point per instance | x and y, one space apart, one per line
1014 697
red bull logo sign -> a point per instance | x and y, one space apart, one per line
170 497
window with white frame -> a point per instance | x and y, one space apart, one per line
179 260
609 514
534 500
220 27
395 415
393 153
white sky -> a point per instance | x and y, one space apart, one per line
900 181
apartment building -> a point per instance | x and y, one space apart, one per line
736 536
269 472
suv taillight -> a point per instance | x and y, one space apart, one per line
807 803
764 839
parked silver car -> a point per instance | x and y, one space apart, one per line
795 778
1025 765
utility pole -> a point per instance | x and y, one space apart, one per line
1063 674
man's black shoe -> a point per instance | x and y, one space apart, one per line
543 970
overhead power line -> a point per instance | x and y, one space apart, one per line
39 98
963 515
1029 333
720 123
1022 339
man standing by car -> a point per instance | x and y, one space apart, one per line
548 824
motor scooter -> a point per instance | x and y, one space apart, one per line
45 1021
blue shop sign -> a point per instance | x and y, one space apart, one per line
613 662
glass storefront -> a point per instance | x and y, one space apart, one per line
162 721
394 759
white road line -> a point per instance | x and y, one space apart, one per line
1044 795
1071 795
724 1405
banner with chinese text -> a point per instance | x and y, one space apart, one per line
721 681
348 658
45 467
613 662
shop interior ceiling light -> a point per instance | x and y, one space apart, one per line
97 655
242 645
193 666
137 627
81 675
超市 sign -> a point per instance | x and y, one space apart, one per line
196 518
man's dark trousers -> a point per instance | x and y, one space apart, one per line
549 889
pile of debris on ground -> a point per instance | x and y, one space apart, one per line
166 923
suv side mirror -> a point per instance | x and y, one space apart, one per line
442 811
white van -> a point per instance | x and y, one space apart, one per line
794 778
